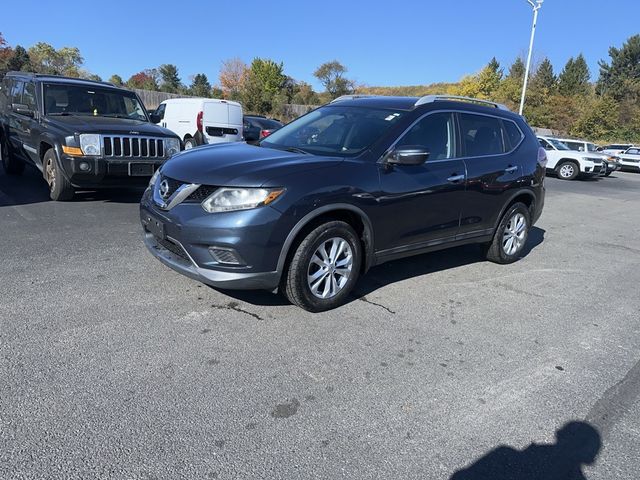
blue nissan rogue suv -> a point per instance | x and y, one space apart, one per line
352 184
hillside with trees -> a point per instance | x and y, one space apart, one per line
564 100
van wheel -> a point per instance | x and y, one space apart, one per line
189 143
11 165
511 235
324 268
567 171
59 187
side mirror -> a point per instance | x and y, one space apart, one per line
22 109
408 155
154 117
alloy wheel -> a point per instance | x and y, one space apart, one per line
567 170
330 268
514 234
50 172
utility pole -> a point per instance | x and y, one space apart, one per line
536 6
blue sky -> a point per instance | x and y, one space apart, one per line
381 42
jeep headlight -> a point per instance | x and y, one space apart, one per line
90 143
230 199
172 146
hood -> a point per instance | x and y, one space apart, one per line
97 124
239 164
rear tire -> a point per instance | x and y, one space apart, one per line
190 143
60 189
324 267
609 172
567 171
511 235
11 165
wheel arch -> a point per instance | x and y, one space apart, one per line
524 196
339 211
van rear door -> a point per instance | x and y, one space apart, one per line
222 122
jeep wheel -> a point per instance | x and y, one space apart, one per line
11 165
59 187
511 235
324 267
567 171
189 143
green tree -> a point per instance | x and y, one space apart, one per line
544 79
517 69
599 119
5 54
574 78
116 80
331 76
510 87
169 78
621 78
200 86
264 81
46 59
304 95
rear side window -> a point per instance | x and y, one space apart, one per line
577 146
481 135
513 133
433 132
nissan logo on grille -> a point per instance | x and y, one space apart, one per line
164 189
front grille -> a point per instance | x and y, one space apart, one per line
173 248
132 147
201 194
173 185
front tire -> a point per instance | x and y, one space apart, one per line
11 165
568 171
324 267
60 189
511 235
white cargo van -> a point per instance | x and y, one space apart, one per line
198 121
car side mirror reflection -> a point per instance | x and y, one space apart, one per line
408 155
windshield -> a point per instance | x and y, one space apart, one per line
86 100
334 130
558 144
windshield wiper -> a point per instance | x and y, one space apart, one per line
296 150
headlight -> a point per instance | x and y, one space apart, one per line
90 143
172 146
229 199
154 177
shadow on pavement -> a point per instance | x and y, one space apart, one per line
397 271
577 444
30 188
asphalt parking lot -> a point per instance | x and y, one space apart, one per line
114 366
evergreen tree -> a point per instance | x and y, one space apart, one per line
574 79
621 78
516 71
200 86
116 80
19 59
544 78
169 79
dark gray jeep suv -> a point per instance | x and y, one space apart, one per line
350 185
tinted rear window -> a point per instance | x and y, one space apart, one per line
481 135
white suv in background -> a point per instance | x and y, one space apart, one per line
567 164
611 162
630 159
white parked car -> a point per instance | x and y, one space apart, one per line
611 163
568 164
198 121
615 148
630 159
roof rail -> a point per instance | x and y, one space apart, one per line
437 98
63 77
351 97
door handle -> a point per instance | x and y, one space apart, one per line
455 178
511 169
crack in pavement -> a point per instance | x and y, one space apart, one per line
236 308
366 300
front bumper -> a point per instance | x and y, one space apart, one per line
187 235
105 172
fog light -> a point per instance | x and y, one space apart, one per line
225 256
84 166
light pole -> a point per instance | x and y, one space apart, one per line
536 6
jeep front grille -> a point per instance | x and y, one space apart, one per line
132 147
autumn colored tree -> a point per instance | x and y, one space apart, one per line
232 76
144 80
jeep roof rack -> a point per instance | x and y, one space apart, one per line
352 97
439 98
61 77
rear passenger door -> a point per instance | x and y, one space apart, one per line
488 145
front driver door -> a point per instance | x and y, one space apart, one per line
420 205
